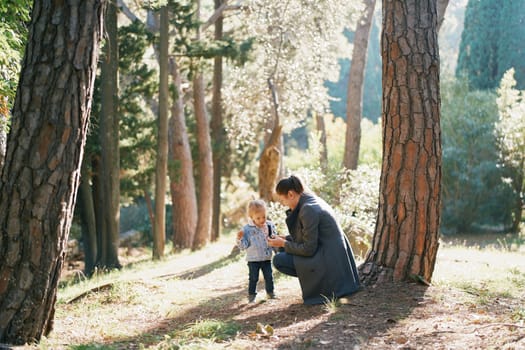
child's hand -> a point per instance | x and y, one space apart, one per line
240 234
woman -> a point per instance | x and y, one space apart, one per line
316 251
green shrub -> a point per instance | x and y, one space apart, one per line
473 191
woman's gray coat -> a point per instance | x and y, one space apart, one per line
322 255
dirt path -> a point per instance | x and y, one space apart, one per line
161 300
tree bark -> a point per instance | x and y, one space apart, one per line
182 183
270 160
159 226
205 201
354 104
109 142
42 166
405 241
88 218
323 152
4 111
202 235
441 9
217 132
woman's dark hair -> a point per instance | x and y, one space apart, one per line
291 183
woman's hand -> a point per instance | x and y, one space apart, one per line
276 241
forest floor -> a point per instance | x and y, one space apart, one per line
198 301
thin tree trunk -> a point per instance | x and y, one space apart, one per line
270 160
109 135
42 166
182 183
356 79
149 205
159 226
100 223
217 132
441 9
89 227
3 129
205 166
323 152
405 241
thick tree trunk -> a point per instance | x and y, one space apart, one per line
42 167
217 133
205 166
356 79
182 183
159 226
109 141
405 242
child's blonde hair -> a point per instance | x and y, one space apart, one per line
255 206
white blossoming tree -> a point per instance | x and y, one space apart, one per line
510 133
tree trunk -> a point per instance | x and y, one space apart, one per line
109 142
205 166
405 241
88 218
441 9
4 111
354 102
159 226
270 160
323 152
217 133
205 201
182 183
42 166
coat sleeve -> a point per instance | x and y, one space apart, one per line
306 240
244 242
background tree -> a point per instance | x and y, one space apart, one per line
13 32
510 134
355 87
405 241
217 129
491 43
473 191
205 162
294 49
42 168
159 226
109 175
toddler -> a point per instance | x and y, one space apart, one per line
253 239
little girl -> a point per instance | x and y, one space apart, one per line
253 239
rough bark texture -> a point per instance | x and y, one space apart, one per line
217 132
42 167
405 242
182 183
161 171
109 142
354 104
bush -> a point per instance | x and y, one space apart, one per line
473 191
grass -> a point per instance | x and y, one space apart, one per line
176 291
